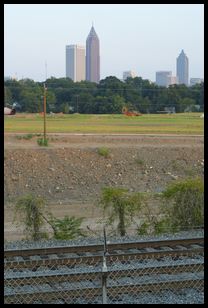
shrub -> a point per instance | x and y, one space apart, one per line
143 229
139 161
152 222
184 203
67 228
104 152
42 142
28 136
29 211
18 137
120 205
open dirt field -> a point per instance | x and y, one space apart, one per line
70 173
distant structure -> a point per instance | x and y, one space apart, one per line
93 57
75 62
182 68
162 78
165 78
194 81
172 80
127 74
6 78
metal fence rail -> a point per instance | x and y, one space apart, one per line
157 277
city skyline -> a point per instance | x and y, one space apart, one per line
140 38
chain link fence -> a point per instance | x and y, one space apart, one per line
166 280
116 277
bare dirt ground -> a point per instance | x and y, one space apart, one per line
70 173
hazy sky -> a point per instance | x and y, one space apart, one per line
144 38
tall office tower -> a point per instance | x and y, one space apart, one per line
75 62
182 68
163 78
92 57
127 74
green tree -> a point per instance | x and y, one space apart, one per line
50 100
15 88
31 99
7 96
65 108
120 205
116 103
105 97
85 102
110 86
146 105
186 104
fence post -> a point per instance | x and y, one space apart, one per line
104 272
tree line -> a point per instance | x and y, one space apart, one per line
107 97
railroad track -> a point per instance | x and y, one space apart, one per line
111 247
132 267
92 254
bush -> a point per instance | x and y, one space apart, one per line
42 142
184 204
28 136
152 222
143 229
67 228
139 161
104 152
29 211
121 206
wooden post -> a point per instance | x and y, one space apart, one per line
44 112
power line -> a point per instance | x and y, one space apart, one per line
105 89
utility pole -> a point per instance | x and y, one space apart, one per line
46 70
44 112
77 102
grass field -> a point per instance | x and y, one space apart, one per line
184 123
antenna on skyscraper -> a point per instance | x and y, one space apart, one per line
45 70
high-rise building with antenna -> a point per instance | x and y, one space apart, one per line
93 57
182 69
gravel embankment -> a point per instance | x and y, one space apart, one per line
93 240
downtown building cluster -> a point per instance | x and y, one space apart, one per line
165 78
84 63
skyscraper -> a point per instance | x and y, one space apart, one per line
162 78
182 69
75 62
92 57
165 78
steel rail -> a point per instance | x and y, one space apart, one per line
95 248
93 259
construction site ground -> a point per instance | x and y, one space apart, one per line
70 173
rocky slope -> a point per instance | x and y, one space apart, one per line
71 168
